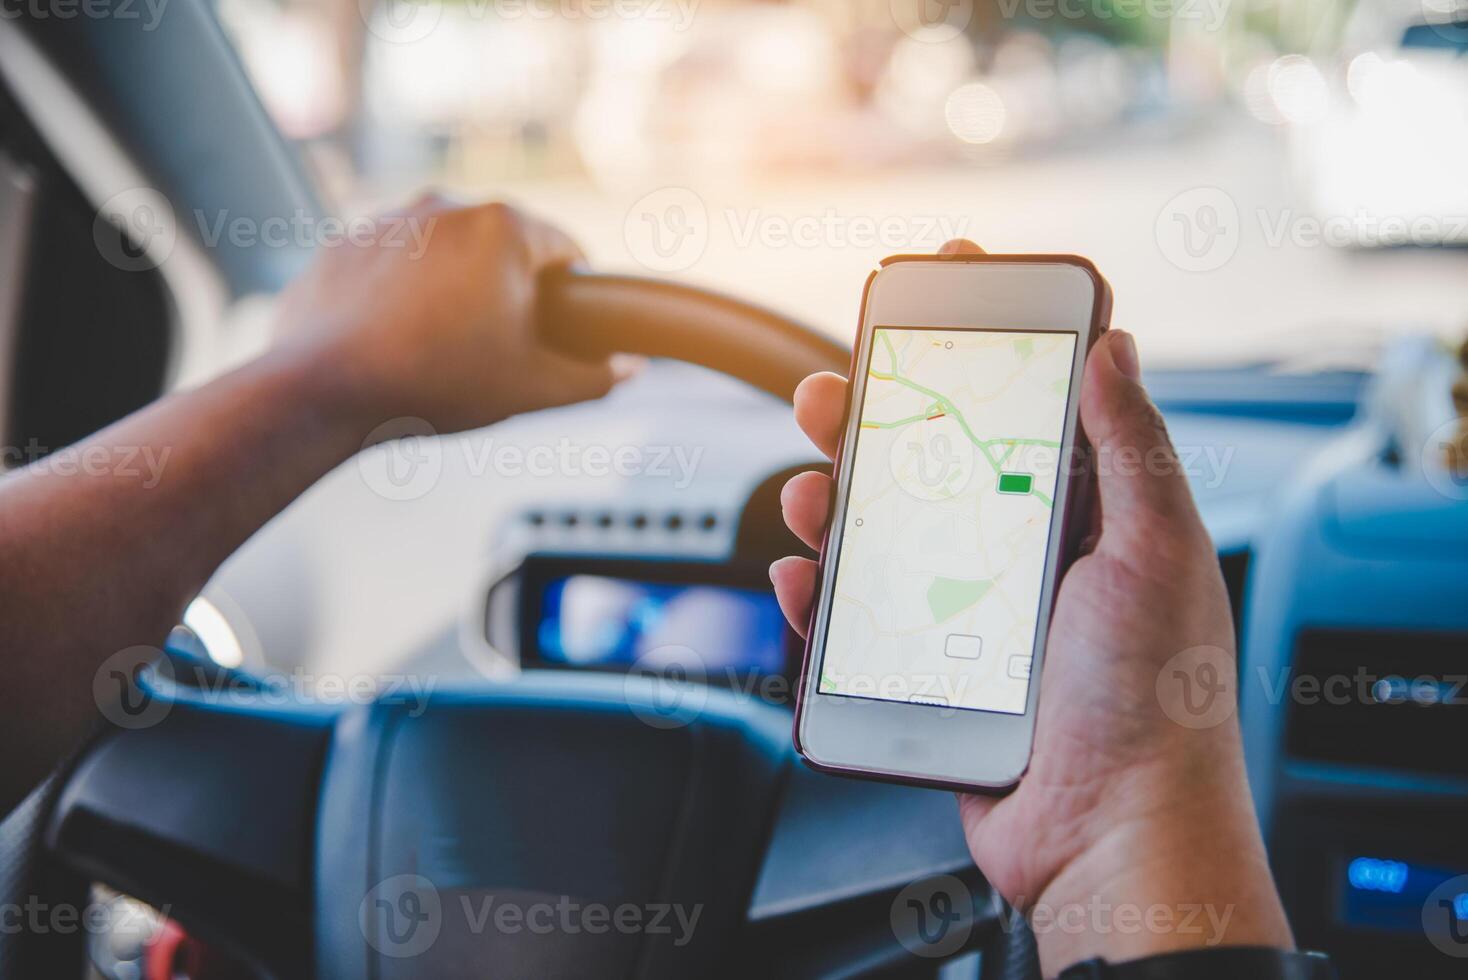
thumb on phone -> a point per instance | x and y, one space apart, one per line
1144 496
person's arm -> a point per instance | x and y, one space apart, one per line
1132 833
106 543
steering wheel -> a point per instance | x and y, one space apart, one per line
561 824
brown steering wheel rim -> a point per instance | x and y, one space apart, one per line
590 314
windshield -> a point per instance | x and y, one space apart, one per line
1257 178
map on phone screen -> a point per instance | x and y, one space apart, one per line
948 519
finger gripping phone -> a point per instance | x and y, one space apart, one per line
959 497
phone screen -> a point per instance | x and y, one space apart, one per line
948 517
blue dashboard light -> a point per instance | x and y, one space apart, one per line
1377 875
1391 895
600 621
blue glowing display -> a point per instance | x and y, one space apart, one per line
1377 875
596 621
1383 893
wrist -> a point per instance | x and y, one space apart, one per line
333 406
341 388
1184 867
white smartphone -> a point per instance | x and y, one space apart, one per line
960 491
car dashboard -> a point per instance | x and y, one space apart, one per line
1342 547
1345 556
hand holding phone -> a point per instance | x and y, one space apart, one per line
956 507
1121 804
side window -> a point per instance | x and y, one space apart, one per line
82 341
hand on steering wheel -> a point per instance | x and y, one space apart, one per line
1130 806
434 318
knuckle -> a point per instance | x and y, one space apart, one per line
500 216
505 226
1153 420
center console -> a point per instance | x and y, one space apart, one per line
1354 685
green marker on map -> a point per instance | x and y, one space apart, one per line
1019 483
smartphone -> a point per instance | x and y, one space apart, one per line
961 490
